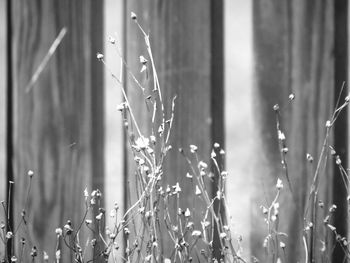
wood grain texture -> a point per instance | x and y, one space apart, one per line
57 125
3 79
294 45
189 63
341 128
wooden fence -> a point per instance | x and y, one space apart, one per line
301 48
55 127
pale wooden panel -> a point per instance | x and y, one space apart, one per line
296 50
58 123
239 115
114 137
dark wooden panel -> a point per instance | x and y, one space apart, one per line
57 122
294 45
186 39
341 130
3 78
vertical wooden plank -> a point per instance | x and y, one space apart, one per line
295 44
9 130
95 33
57 124
341 131
271 55
217 113
3 79
185 55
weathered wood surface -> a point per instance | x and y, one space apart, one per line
341 129
186 39
3 78
57 124
295 52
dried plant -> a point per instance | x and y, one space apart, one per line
151 217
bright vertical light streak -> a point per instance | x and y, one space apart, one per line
113 122
239 115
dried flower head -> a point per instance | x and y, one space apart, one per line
337 160
264 209
281 135
279 184
216 145
224 174
148 214
99 56
332 208
93 242
142 142
223 235
143 60
206 224
58 231
198 191
284 150
193 148
190 225
9 235
45 256
320 204
126 231
143 68
153 139
99 216
196 233
291 96
133 16
188 175
202 165
30 173
122 106
347 98
68 228
34 252
177 188
58 255
309 158
111 40
331 227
